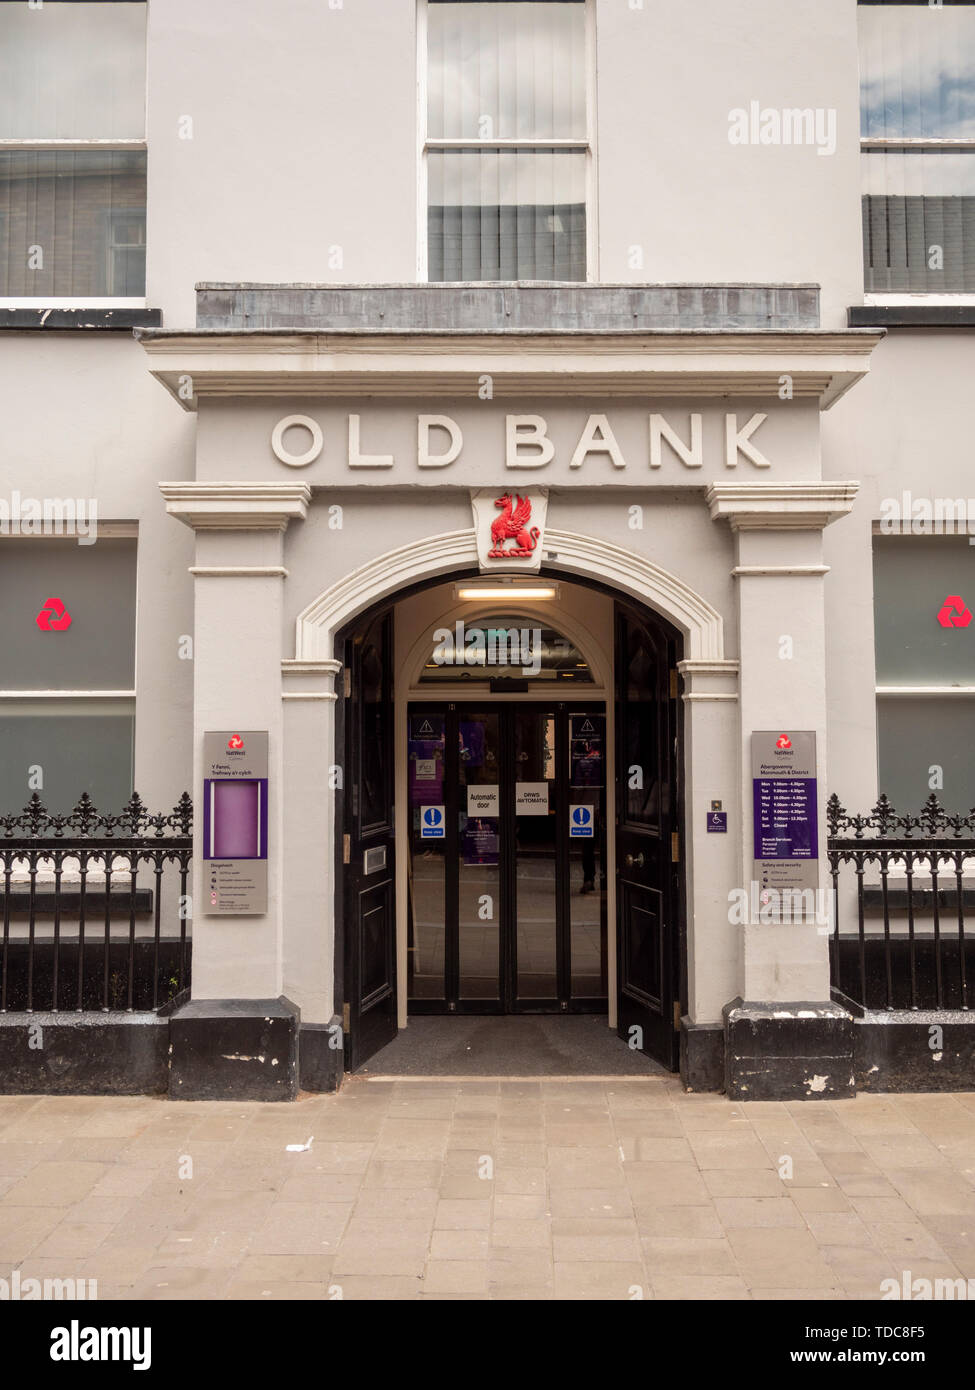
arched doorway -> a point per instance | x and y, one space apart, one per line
472 865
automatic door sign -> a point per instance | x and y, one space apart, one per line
432 823
483 800
717 822
580 823
531 798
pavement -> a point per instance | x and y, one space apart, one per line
489 1188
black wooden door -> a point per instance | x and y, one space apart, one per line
369 899
647 843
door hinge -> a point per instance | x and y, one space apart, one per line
673 685
674 847
346 682
346 1018
346 849
676 1015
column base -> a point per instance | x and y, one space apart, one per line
702 1051
788 1051
234 1049
321 1064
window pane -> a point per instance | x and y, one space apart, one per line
505 71
78 745
915 735
507 215
96 586
73 71
916 64
912 576
919 220
72 223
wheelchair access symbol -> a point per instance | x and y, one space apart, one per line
580 823
432 823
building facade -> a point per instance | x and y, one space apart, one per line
372 374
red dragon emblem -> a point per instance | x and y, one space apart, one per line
512 525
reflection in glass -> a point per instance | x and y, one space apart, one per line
913 201
506 215
917 70
506 71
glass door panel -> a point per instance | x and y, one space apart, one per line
426 776
536 854
479 856
587 855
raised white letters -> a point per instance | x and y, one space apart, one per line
360 460
736 441
597 438
426 423
692 457
526 432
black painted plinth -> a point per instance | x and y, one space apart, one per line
923 1050
701 1056
788 1051
234 1049
321 1061
83 1054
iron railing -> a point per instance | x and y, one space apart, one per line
82 869
908 897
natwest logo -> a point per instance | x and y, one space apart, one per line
954 613
235 741
783 741
53 617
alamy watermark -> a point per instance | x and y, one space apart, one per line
927 516
759 905
789 125
18 1290
49 516
491 646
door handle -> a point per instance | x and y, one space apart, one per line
632 862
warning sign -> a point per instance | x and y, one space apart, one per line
433 823
581 823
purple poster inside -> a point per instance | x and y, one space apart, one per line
236 819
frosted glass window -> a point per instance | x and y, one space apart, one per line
72 71
506 71
96 586
916 734
76 745
913 576
73 223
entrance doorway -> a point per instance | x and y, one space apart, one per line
507 867
528 881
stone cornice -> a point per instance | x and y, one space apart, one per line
704 364
780 506
237 506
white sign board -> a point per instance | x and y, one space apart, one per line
483 801
531 798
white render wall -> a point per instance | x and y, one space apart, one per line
303 140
